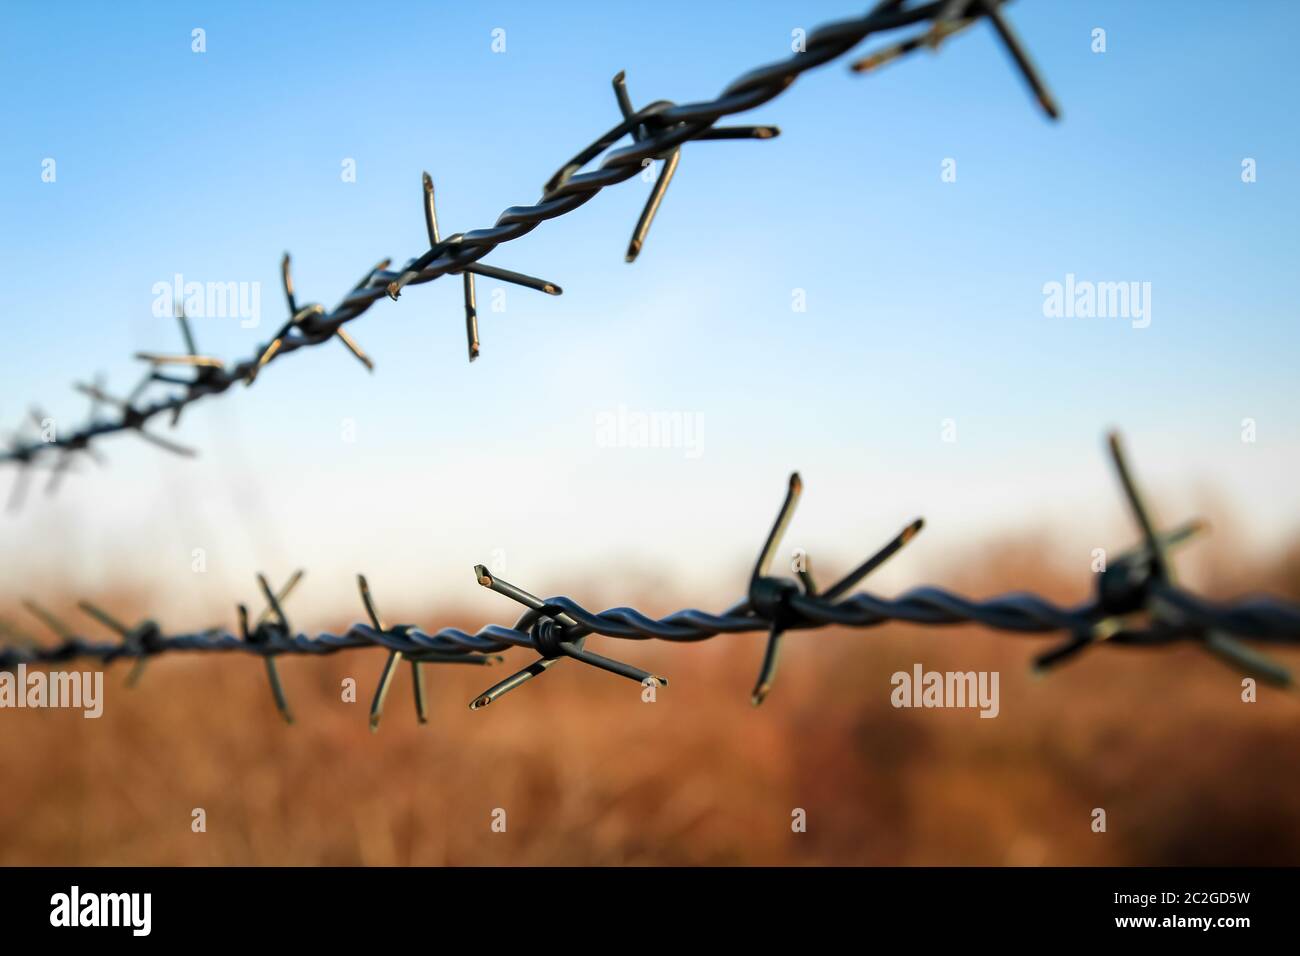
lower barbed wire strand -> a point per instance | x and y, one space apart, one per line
1136 604
1257 618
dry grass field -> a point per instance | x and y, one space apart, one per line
588 774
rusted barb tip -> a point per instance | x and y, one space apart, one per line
480 702
393 290
374 723
767 132
796 483
913 529
552 289
484 576
760 694
619 77
427 180
633 250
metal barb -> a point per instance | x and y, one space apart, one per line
471 317
192 360
768 553
764 589
286 278
1152 541
776 630
186 332
550 645
390 665
643 224
469 271
930 39
273 607
1148 578
61 630
131 638
1020 56
662 181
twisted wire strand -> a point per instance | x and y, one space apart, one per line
1258 618
657 130
1136 604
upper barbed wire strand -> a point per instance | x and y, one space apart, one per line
657 130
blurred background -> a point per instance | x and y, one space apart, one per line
824 301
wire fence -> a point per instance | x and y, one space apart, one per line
1136 603
657 131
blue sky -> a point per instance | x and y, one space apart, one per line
924 297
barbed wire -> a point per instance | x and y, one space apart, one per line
658 132
1136 603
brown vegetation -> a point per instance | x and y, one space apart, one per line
588 774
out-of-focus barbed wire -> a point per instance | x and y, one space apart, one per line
1136 603
658 132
